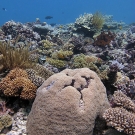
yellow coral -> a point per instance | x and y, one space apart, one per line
98 20
47 44
56 63
62 54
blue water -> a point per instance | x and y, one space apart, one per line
64 11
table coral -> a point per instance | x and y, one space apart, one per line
122 117
68 103
16 83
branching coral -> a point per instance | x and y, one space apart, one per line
14 57
81 61
122 117
16 83
42 71
98 20
46 44
56 63
104 38
63 55
37 80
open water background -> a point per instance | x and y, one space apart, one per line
64 11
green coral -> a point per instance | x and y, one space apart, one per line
90 62
56 63
98 20
68 46
47 44
62 54
5 121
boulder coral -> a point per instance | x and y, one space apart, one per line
68 103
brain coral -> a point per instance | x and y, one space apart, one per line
68 103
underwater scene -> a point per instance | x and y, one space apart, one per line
67 67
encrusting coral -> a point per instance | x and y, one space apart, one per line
17 83
122 117
5 121
68 103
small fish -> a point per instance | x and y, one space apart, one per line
48 17
61 26
52 24
4 9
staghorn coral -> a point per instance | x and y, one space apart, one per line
14 57
68 103
16 83
5 121
98 20
122 117
104 38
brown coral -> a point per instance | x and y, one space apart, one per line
120 99
42 71
68 103
14 57
122 117
16 83
104 38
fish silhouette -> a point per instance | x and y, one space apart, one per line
48 17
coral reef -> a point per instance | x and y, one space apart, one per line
122 116
46 44
5 121
13 57
56 63
68 103
104 38
98 20
37 80
13 29
62 55
42 71
16 83
91 62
